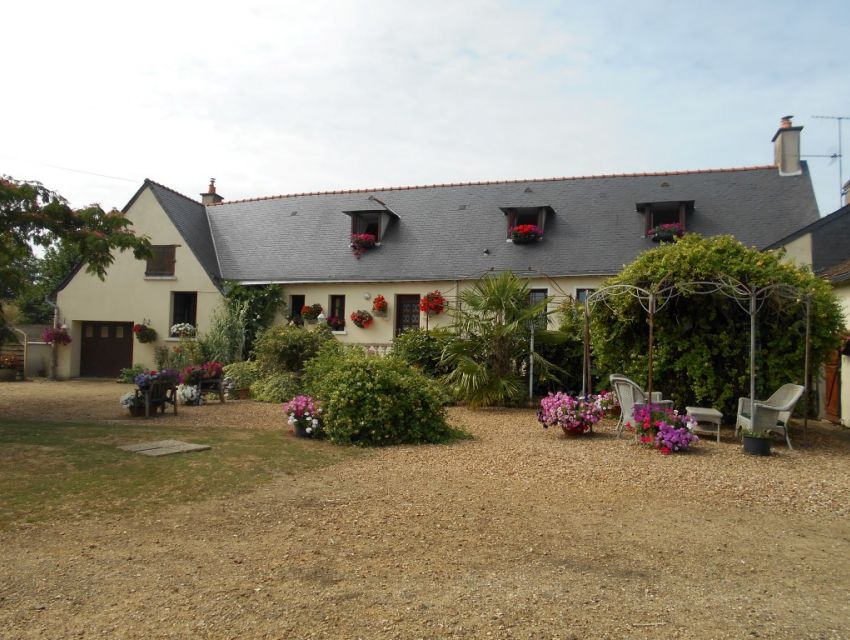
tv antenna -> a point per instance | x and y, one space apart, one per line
835 156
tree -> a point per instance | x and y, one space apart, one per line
488 358
702 342
45 275
32 215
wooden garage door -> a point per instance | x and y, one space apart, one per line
106 348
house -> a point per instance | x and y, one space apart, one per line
824 245
437 237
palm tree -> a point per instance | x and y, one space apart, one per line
487 359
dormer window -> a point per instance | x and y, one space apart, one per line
526 216
373 222
656 214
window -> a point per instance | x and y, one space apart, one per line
581 294
367 222
535 296
336 310
184 307
656 213
161 263
295 305
526 215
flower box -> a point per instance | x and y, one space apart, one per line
666 232
526 233
361 243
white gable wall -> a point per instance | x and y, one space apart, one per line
126 295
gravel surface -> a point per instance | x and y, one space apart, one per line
519 533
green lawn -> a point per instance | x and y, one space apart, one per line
60 470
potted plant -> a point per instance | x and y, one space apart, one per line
662 428
575 415
361 319
336 324
134 403
7 367
666 232
311 312
304 416
380 306
183 330
56 335
432 303
361 243
526 233
756 443
144 333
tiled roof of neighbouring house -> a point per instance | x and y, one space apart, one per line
448 232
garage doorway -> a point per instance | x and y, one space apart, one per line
105 348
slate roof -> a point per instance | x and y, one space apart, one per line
830 239
453 232
189 216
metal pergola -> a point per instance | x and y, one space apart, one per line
750 298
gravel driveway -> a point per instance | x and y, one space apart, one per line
519 533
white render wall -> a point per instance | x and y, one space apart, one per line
126 295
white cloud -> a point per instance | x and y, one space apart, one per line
274 97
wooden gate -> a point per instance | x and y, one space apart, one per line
106 348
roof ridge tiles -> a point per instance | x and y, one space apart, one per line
480 183
162 186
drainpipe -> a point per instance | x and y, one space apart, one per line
54 355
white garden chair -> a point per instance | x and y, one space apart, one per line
771 415
628 395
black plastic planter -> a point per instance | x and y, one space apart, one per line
757 446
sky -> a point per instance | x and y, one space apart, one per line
273 97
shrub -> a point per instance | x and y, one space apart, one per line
129 375
243 374
287 348
370 400
423 349
224 341
277 387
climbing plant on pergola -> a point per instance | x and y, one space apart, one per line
653 297
700 290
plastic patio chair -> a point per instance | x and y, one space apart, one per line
628 395
772 414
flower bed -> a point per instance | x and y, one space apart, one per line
662 428
575 415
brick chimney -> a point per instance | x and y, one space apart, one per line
211 197
845 189
786 148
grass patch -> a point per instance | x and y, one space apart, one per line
54 471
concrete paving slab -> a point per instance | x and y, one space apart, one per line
164 447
